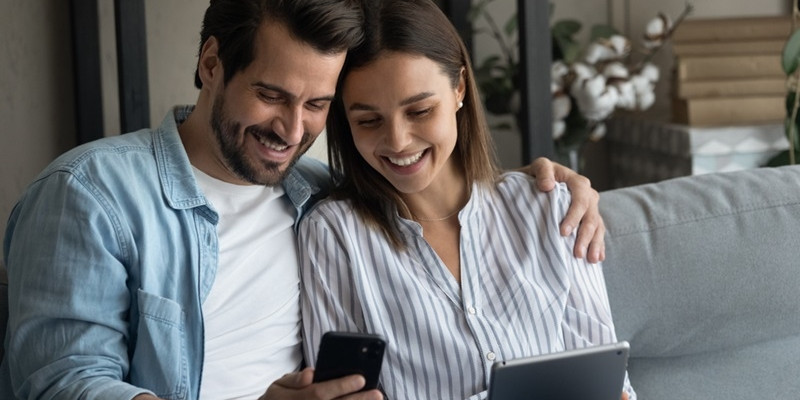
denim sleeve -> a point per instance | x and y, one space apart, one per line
69 304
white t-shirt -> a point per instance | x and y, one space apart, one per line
252 314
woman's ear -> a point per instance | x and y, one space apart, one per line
209 66
462 85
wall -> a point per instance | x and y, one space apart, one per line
36 91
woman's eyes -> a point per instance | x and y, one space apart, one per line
420 113
368 123
371 122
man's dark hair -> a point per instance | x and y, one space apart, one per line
329 26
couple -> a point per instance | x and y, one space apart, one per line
163 263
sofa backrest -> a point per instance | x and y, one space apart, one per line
703 274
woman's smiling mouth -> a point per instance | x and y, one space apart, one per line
406 161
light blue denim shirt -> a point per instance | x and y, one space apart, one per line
110 254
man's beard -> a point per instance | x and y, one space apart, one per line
257 172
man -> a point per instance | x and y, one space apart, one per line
162 263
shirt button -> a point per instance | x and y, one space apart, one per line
490 356
471 310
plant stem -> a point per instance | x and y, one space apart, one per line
793 120
649 56
504 48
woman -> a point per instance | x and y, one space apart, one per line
424 241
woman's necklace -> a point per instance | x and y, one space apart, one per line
416 218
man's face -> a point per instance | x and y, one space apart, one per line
271 112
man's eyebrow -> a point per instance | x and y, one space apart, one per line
411 100
289 95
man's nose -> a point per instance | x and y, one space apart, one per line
289 125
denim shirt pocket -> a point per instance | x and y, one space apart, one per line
159 361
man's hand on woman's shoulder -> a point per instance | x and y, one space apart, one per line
583 213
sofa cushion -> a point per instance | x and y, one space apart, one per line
703 274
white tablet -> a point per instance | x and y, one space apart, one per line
592 373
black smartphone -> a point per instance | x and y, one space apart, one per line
346 353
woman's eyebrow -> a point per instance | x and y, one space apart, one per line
411 100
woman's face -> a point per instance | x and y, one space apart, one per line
402 112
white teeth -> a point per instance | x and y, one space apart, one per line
272 146
406 161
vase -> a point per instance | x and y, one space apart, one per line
570 156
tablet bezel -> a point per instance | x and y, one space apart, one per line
591 373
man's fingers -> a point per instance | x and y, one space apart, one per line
368 395
543 170
339 387
597 247
299 385
296 380
576 214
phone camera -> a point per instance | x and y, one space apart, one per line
372 350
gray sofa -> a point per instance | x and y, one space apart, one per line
703 274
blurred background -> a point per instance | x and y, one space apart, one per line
38 73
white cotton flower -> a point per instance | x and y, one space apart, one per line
598 51
620 44
605 104
561 106
558 71
642 84
657 31
555 87
592 86
658 26
627 95
615 47
616 70
650 72
598 132
594 101
645 91
583 71
645 99
559 129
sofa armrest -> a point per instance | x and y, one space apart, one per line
703 274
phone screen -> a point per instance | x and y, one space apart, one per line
346 353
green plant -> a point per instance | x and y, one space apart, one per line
790 61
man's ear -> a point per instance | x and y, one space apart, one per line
209 66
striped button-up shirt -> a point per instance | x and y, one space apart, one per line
522 292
